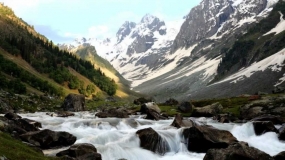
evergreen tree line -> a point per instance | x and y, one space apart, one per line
19 75
47 58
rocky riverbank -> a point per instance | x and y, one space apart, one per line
263 112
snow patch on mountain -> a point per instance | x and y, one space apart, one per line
274 63
280 27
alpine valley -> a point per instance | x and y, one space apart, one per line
222 48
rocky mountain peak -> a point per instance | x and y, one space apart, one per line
125 30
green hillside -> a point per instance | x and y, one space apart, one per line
33 60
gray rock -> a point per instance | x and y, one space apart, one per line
281 134
208 111
185 107
81 151
263 127
179 122
151 140
74 103
47 139
203 138
237 151
150 105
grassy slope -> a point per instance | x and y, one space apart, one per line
89 53
14 149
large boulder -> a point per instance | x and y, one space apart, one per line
74 103
81 151
113 112
250 111
208 111
154 115
47 139
149 106
179 122
280 156
281 134
202 138
267 117
151 140
237 151
185 107
263 127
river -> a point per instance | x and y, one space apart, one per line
116 138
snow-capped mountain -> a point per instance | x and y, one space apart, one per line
216 50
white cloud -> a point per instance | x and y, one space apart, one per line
24 5
99 31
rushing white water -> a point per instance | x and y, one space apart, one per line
116 138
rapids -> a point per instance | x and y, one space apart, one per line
116 138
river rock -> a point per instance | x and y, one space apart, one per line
237 151
151 140
113 112
64 114
280 156
153 115
250 111
274 119
208 111
202 138
263 127
225 118
74 103
185 107
281 134
179 122
12 116
80 151
47 139
149 106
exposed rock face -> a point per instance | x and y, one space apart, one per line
208 111
202 138
237 151
81 151
179 122
125 30
263 127
281 135
113 112
48 139
185 107
150 105
151 140
249 111
272 118
204 20
74 103
171 102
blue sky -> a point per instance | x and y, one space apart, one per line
65 20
